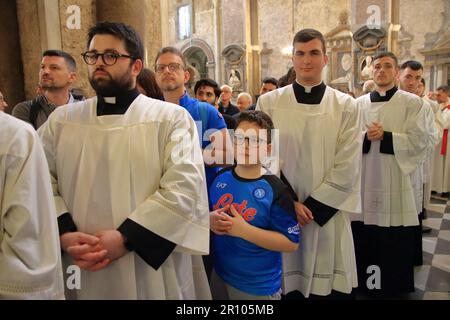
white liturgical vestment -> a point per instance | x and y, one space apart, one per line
30 257
145 165
320 154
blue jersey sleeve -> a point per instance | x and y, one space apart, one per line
282 211
215 119
215 122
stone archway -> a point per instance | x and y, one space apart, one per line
197 51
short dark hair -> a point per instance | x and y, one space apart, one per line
412 64
207 83
385 54
307 35
444 88
146 79
67 57
260 118
133 42
174 51
288 78
270 80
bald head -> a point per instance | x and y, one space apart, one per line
369 86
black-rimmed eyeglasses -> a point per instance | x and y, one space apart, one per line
109 58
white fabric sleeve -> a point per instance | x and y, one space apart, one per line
411 145
30 258
47 137
341 187
178 211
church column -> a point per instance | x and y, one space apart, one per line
39 28
218 40
234 34
253 49
394 26
76 17
11 76
165 40
143 15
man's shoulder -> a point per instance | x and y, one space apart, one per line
22 107
363 98
17 134
273 95
409 96
409 100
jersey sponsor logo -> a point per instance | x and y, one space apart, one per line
259 193
221 185
294 230
227 200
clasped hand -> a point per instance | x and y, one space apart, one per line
93 252
375 131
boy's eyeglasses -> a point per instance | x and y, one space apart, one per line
252 140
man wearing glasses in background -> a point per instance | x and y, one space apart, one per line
171 76
131 214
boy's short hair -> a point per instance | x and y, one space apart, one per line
260 118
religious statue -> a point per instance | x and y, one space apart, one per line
367 71
234 80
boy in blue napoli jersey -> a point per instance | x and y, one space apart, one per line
253 218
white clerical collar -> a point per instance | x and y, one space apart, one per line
384 93
308 89
71 99
110 100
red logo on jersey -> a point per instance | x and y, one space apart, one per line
227 200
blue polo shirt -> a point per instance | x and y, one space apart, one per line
205 114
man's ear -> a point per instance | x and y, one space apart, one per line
187 76
73 77
137 67
325 58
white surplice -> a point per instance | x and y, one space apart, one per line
387 189
110 168
420 176
440 181
436 136
30 259
320 155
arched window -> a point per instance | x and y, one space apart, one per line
184 20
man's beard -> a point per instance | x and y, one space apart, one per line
112 87
50 87
170 87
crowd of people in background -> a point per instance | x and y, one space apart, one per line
353 178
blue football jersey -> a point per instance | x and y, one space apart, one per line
264 203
